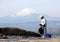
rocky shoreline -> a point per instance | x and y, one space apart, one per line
11 31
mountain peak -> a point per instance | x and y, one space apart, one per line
26 11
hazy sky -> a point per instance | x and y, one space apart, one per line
48 7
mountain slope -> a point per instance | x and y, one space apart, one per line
26 19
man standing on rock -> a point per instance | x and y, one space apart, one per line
42 29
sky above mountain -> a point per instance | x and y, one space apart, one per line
21 7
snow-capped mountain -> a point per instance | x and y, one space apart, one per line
26 15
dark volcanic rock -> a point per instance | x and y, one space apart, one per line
17 32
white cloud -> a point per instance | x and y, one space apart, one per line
26 11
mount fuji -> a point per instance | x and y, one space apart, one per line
27 15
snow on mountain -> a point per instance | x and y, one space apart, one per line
26 11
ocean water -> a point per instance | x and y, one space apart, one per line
53 29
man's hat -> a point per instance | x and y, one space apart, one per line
41 16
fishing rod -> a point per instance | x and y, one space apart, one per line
34 17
